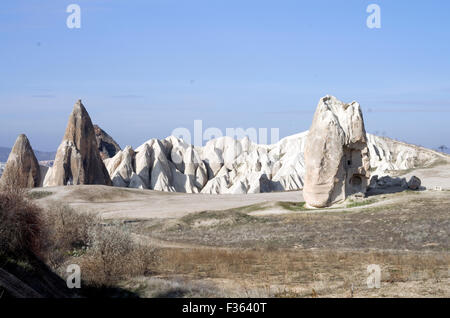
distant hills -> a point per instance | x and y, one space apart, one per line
40 155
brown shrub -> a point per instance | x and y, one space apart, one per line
106 253
8 183
114 256
67 230
60 235
21 225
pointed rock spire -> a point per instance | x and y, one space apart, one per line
22 169
78 160
336 154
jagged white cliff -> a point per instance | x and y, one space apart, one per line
225 165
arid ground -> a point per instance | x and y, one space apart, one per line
270 245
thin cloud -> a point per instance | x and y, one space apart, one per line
44 96
291 112
407 110
414 102
127 96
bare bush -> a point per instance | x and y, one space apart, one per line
67 231
107 253
113 247
114 256
10 184
20 223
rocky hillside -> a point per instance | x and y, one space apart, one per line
226 165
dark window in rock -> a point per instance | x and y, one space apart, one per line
356 181
349 163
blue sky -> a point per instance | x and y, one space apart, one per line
144 68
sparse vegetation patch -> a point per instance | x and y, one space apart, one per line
293 206
36 195
354 204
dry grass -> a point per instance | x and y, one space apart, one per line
420 222
108 194
36 195
288 273
175 287
309 254
353 204
100 196
293 206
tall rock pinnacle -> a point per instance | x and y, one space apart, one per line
22 169
336 154
78 160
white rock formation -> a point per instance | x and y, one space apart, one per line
172 165
143 165
121 167
389 155
336 154
225 165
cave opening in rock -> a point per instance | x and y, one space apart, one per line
356 182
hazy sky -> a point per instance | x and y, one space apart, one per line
144 68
